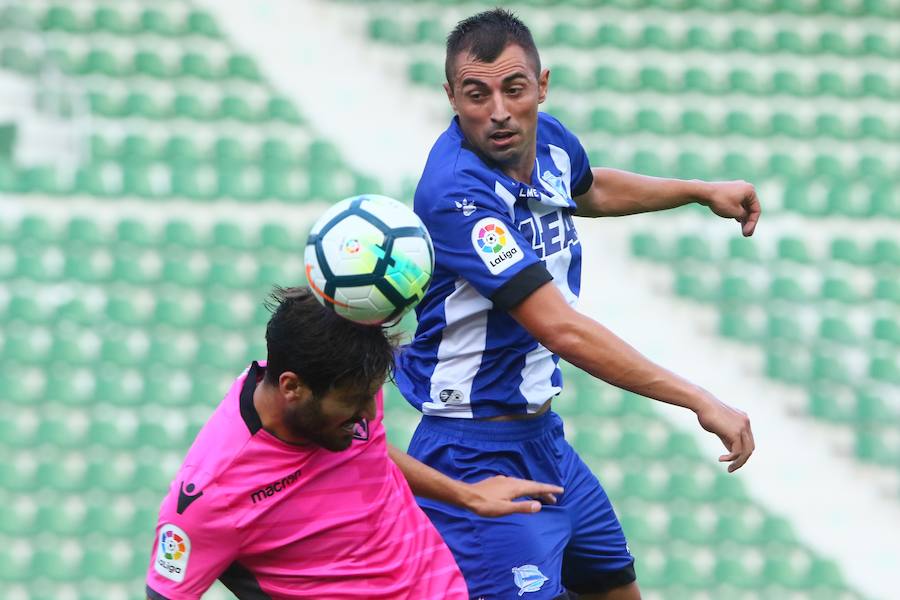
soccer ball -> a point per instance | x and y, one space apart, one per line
369 258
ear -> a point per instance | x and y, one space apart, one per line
293 389
450 96
543 85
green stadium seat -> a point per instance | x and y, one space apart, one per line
189 106
15 17
841 290
654 79
150 64
698 80
181 233
871 409
107 19
875 43
426 73
875 84
887 289
848 250
196 65
692 247
156 22
39 180
609 78
282 109
691 165
611 34
201 23
746 40
885 368
872 446
385 29
654 36
229 152
568 34
242 66
886 329
171 312
60 18
700 38
224 273
17 59
794 250
681 572
838 330
230 236
138 104
234 107
744 81
731 571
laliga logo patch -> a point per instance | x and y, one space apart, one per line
496 247
172 553
528 578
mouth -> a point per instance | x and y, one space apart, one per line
502 137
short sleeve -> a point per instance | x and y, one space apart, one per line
582 176
195 543
475 238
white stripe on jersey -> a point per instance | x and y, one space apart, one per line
459 353
535 386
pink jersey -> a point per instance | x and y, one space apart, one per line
274 520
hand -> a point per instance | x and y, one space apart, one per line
493 497
733 428
735 200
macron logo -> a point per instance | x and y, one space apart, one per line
466 206
275 487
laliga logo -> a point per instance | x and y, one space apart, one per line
351 246
172 545
491 238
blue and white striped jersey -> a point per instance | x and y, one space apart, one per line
496 241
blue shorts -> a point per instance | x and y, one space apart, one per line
576 545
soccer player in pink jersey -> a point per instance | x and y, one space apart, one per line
291 490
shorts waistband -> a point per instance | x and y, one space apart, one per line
500 431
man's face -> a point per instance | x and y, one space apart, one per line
328 421
497 104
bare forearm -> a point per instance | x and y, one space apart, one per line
616 193
427 482
597 350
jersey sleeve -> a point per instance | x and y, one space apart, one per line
582 176
475 238
195 543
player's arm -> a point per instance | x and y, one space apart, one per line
491 497
615 193
592 347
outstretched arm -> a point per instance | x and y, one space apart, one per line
615 193
491 497
592 347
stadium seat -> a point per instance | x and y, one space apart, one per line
107 19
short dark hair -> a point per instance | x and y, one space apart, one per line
322 348
486 35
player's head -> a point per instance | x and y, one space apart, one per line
495 83
326 369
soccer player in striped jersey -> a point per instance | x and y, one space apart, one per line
291 490
498 194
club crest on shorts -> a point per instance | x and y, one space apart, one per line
528 578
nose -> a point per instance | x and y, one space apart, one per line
369 411
499 112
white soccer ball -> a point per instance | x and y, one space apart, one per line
369 258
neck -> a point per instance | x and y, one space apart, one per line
522 170
270 408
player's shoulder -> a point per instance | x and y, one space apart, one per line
550 129
453 171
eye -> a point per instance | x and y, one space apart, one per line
515 90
